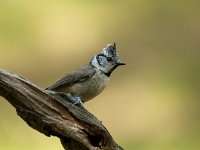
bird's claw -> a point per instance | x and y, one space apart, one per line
76 100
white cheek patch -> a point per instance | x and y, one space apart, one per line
103 61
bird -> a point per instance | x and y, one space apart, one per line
87 82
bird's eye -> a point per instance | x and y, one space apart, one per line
109 58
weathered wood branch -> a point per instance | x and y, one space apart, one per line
54 115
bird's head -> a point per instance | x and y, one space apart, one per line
108 60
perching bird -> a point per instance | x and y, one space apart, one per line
90 80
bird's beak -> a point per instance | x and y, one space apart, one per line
120 63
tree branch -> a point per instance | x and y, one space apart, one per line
54 115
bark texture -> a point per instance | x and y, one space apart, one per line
54 115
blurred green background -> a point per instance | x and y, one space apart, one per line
152 103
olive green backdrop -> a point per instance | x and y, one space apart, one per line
152 103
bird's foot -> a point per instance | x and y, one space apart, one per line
76 100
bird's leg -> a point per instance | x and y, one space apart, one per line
76 100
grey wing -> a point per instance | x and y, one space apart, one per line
79 75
